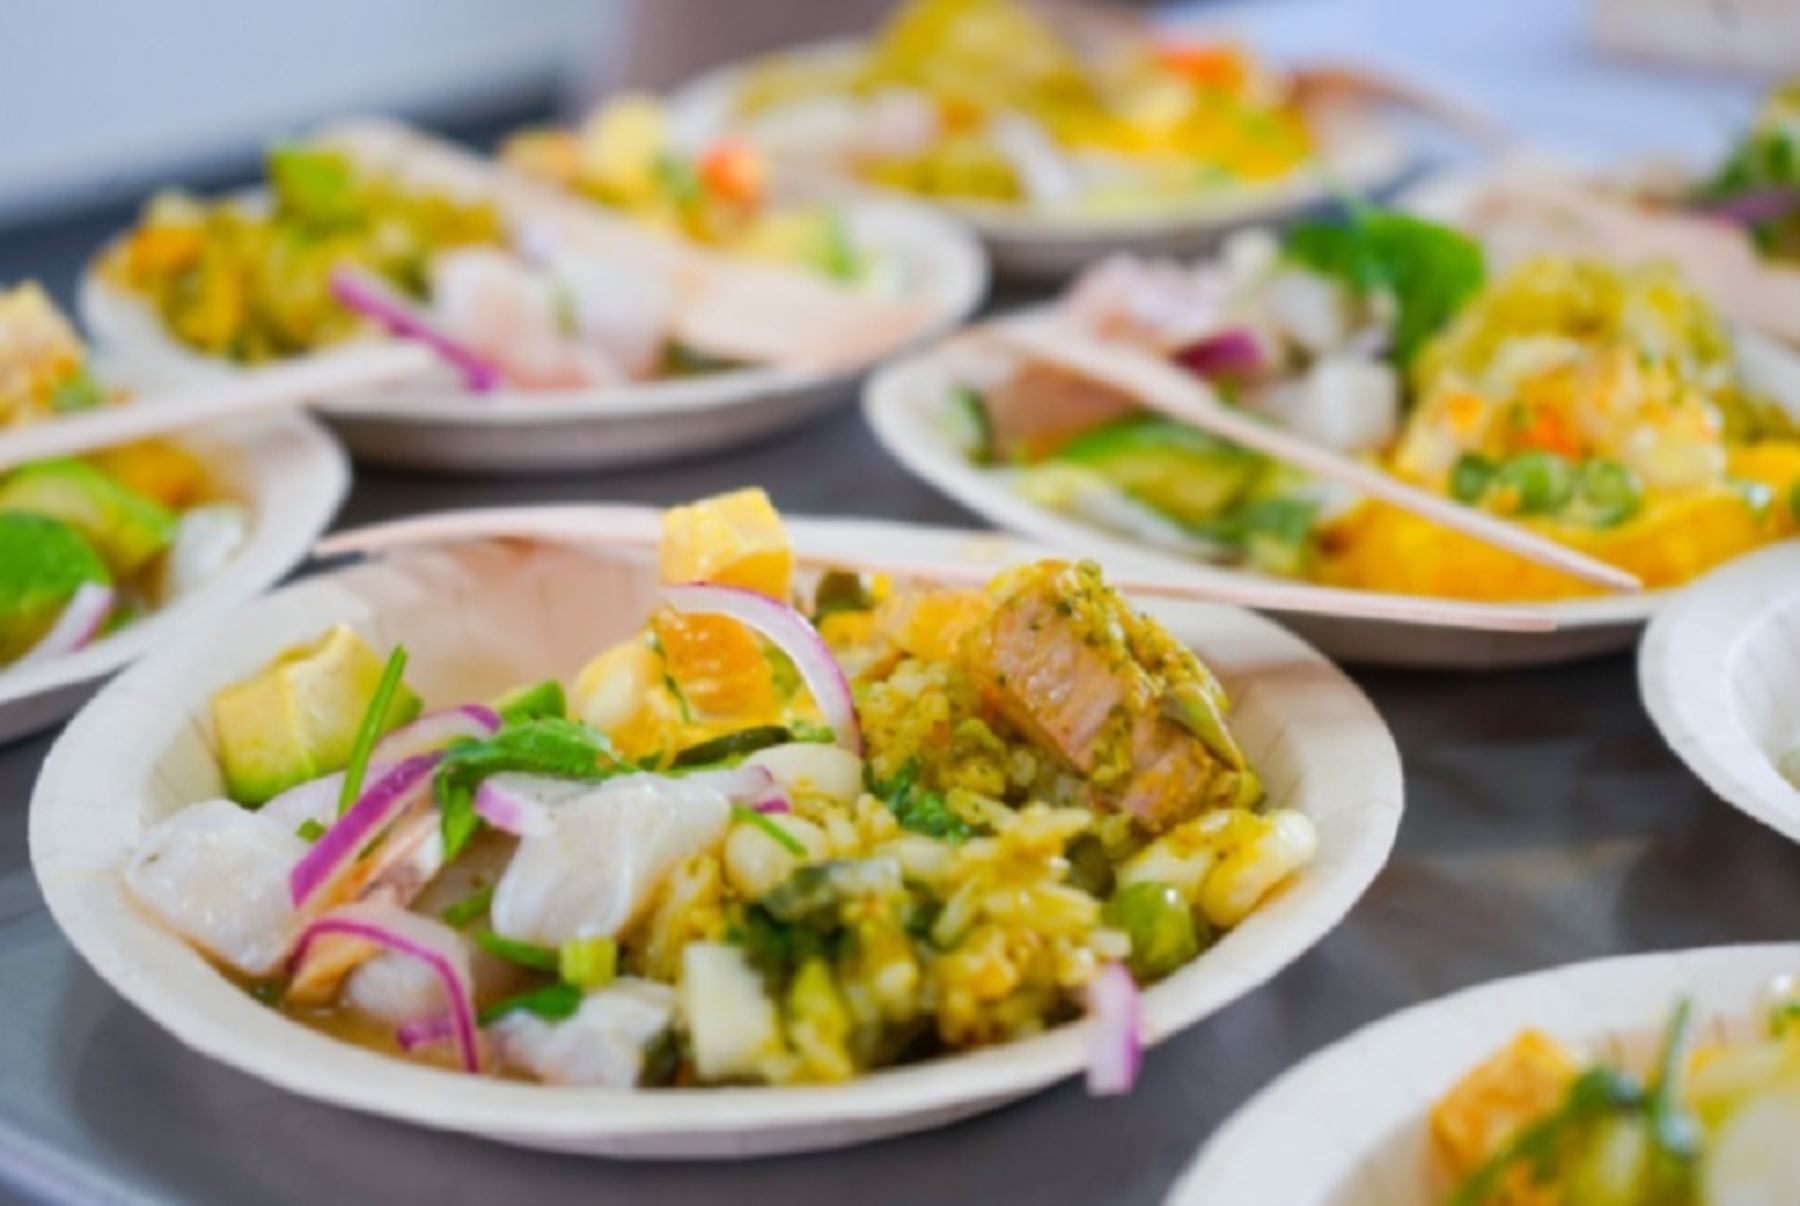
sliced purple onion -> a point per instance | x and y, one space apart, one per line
1116 1051
774 804
508 808
386 926
435 730
1233 354
425 1032
371 297
379 804
81 618
1753 208
790 632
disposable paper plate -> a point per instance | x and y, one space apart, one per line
481 617
1720 673
906 404
290 474
1350 1125
439 426
1360 154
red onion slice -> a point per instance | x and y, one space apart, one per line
774 804
423 1032
739 784
1234 354
80 620
790 632
371 297
395 929
1116 1051
435 730
379 804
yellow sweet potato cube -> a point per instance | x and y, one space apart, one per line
1514 1087
733 539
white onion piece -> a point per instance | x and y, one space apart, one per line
806 768
314 800
1115 1052
435 730
746 784
790 632
81 618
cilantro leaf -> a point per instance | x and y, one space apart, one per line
547 745
1430 270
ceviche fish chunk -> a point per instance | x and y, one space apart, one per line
988 100
1603 406
88 544
1707 1123
786 832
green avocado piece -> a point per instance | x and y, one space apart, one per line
536 702
297 718
123 526
43 562
1183 472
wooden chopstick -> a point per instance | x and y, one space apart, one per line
641 527
1164 387
254 391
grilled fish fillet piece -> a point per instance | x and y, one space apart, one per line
1109 693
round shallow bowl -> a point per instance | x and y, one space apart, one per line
1720 674
481 617
290 474
1361 154
906 402
436 425
1350 1125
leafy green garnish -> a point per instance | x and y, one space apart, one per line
369 731
553 1003
839 590
780 836
1428 269
920 810
552 746
810 733
474 905
525 954
315 186
677 180
536 702
309 830
1783 1016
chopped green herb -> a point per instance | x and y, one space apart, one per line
536 702
731 745
369 731
1430 270
1782 1016
1471 476
310 830
470 907
974 425
77 392
588 963
810 733
553 746
920 810
782 837
553 1003
525 954
839 590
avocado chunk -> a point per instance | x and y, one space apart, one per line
43 562
124 527
535 702
1181 471
297 719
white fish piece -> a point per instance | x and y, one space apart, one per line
217 874
1157 303
1345 402
393 987
1308 309
206 537
1753 1160
601 1044
1044 172
621 310
499 306
730 1019
597 867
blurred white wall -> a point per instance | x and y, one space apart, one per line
101 96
